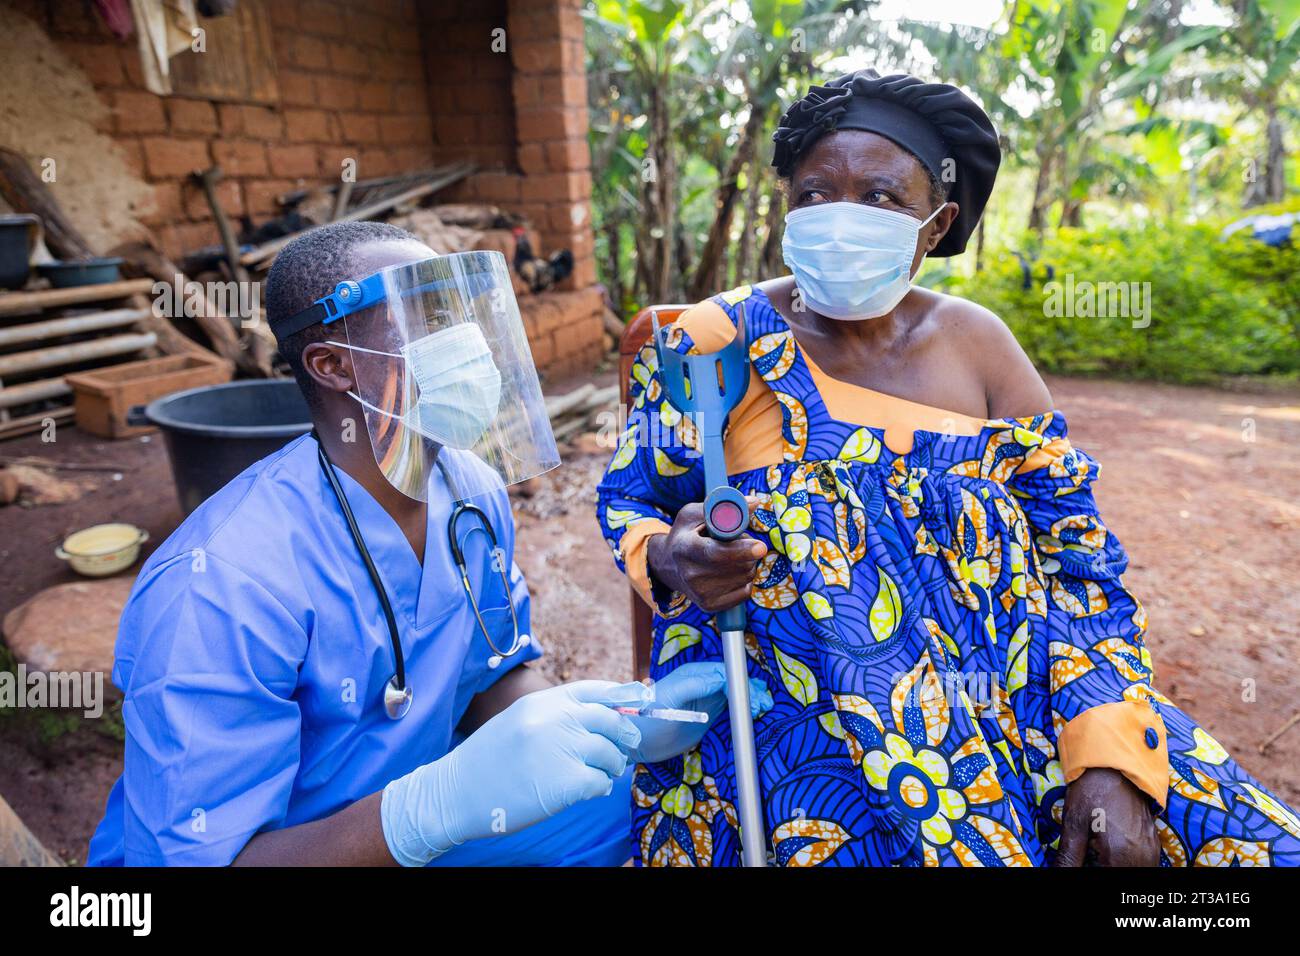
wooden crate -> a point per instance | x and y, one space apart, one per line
104 396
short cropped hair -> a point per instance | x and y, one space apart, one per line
309 268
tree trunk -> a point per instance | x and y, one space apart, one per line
749 225
1268 185
613 275
661 189
1275 164
684 256
1072 213
641 263
1038 210
771 262
708 270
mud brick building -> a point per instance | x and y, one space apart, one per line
394 85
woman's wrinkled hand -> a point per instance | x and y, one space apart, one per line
1106 814
714 575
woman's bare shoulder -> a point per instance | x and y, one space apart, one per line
1012 385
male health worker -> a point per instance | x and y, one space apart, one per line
327 663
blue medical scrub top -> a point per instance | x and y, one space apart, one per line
253 653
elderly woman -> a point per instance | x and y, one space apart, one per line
959 674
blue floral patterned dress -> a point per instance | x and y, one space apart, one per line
928 623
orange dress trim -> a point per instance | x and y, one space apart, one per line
1119 736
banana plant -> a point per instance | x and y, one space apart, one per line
1259 65
771 55
646 35
1087 61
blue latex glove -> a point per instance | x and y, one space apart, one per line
544 753
700 685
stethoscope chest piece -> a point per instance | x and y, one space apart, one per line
397 700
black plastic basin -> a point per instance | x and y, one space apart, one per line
215 432
67 274
16 249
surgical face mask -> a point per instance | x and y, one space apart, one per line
457 385
851 261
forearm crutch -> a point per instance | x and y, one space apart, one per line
706 388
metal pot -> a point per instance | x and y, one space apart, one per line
102 549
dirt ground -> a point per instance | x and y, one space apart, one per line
1200 484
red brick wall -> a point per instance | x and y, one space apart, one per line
522 115
469 85
393 84
351 81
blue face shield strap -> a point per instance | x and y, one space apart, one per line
350 296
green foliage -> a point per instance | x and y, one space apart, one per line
1216 307
1128 120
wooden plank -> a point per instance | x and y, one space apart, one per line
15 303
362 186
371 210
238 64
104 397
557 406
218 328
38 391
34 423
69 325
208 180
56 355
341 200
102 380
171 341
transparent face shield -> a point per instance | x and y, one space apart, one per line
445 377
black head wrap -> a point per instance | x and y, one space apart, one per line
932 121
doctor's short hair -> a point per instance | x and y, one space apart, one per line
309 268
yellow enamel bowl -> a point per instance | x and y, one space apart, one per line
102 549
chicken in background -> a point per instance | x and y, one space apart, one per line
540 274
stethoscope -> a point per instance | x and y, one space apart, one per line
397 692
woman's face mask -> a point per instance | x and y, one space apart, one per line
851 261
457 385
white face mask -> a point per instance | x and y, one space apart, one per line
851 261
458 386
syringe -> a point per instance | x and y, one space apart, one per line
666 713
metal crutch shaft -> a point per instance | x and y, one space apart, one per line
753 839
